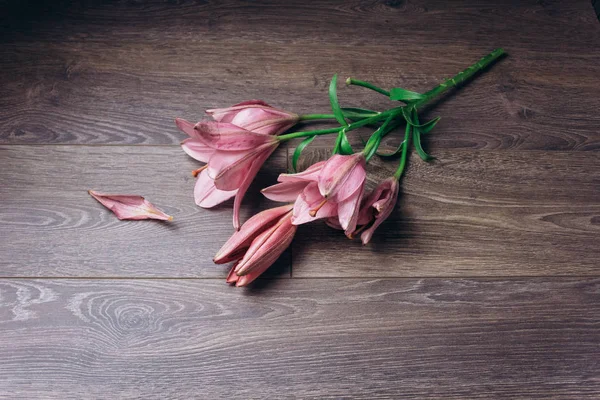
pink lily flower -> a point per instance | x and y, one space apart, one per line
375 209
234 146
129 206
256 116
258 244
326 189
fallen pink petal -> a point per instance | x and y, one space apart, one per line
130 207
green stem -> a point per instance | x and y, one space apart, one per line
294 135
356 82
310 117
460 78
365 121
404 156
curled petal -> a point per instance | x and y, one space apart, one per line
308 175
273 125
186 127
285 191
341 176
232 176
384 207
132 207
197 150
227 114
222 160
206 195
238 242
232 276
256 116
348 210
366 213
309 200
250 174
249 116
229 137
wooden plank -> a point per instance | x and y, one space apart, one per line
318 338
50 226
472 213
118 73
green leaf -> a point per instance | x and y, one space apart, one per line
417 140
342 146
375 139
355 113
413 119
335 105
428 126
299 150
400 94
393 153
407 113
372 145
345 147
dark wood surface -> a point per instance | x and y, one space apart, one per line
318 338
483 284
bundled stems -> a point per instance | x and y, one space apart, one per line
393 113
460 78
404 157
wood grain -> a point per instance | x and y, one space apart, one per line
484 284
394 338
51 227
472 213
119 72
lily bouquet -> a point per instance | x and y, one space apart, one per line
236 142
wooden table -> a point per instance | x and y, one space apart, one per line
484 283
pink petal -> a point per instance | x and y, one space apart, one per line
307 201
308 175
206 195
256 116
229 137
132 207
286 191
227 114
252 275
197 150
186 127
221 160
232 276
248 116
238 242
272 125
341 176
355 181
348 211
233 175
387 205
267 247
250 175
365 215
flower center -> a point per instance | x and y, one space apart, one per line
313 212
